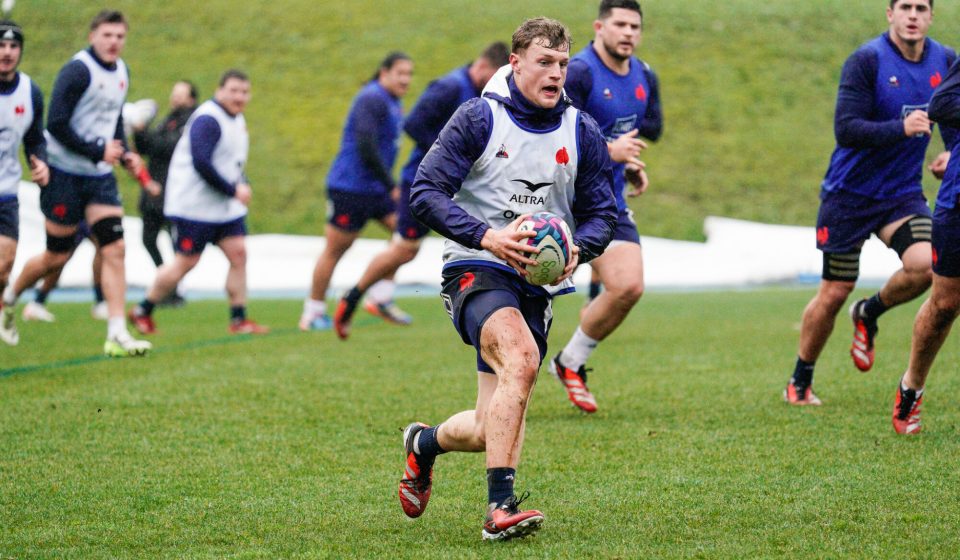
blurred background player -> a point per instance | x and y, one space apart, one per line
206 201
434 108
873 184
359 184
36 310
938 313
157 145
622 94
21 121
85 140
522 126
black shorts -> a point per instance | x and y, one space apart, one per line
471 294
64 200
10 217
350 212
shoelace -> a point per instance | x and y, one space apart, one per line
909 406
512 504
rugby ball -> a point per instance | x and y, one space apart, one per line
137 115
554 241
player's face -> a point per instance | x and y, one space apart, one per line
485 71
9 57
108 40
180 96
396 80
619 33
909 20
540 72
234 95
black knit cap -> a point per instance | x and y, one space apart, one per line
10 31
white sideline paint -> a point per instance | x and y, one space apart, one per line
736 254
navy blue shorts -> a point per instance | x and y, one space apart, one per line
626 229
946 242
10 217
350 211
189 237
846 221
65 198
407 226
471 294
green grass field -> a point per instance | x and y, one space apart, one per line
288 445
748 88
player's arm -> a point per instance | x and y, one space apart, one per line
853 124
434 108
594 206
370 111
651 127
446 165
71 83
34 143
945 105
204 135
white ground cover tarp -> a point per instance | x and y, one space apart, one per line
736 254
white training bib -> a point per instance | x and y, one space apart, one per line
16 116
520 172
188 196
95 117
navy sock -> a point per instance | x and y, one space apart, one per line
238 313
41 297
146 306
595 289
500 484
354 295
427 445
97 293
874 307
802 373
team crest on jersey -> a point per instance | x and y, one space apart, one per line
502 152
19 110
640 92
607 94
563 157
936 80
894 81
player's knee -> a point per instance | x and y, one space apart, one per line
630 293
238 256
406 252
834 294
55 260
946 306
521 367
108 231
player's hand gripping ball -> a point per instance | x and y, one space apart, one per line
554 241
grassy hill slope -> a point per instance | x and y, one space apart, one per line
748 88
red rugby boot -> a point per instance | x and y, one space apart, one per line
575 382
417 479
906 412
507 521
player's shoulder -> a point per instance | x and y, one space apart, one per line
644 66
